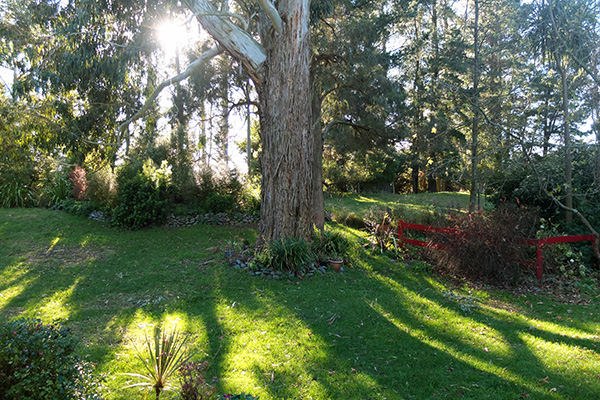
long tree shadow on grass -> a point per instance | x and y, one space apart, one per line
377 331
102 291
384 334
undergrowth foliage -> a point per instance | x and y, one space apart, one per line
290 254
487 247
327 245
14 194
141 202
40 361
296 254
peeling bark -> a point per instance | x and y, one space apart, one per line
286 134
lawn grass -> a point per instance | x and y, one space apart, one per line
417 208
379 330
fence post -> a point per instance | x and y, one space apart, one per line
539 260
400 234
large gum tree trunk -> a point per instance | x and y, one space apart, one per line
285 118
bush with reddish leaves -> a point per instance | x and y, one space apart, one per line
79 181
489 246
193 382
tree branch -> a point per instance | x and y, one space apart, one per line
342 122
184 75
239 43
224 14
272 13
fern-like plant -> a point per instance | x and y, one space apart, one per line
162 358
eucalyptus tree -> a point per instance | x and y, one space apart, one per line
277 61
95 49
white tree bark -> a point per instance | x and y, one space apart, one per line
239 43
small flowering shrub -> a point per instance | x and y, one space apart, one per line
40 361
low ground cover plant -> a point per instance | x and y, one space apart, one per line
194 385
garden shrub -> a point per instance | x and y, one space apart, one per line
141 202
14 194
206 185
569 260
488 249
349 218
55 189
39 361
353 220
80 208
128 171
250 200
219 193
219 203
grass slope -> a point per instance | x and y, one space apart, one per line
380 330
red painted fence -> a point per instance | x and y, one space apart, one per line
538 243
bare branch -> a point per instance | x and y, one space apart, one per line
346 123
183 76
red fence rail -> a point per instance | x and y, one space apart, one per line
538 243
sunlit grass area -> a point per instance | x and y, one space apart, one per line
379 330
421 207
